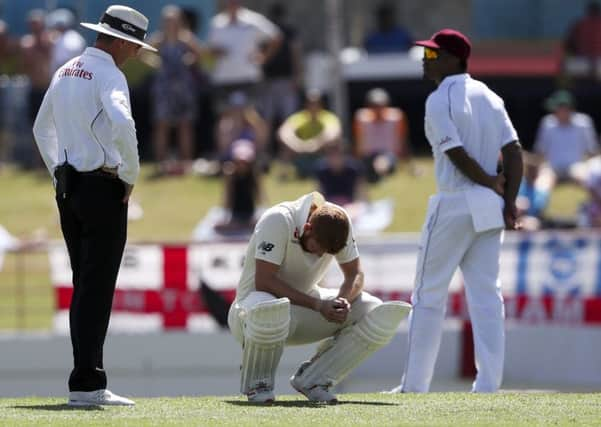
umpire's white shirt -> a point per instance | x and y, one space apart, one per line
276 240
463 112
85 117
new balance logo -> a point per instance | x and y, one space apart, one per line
265 246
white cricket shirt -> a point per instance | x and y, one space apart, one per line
85 117
240 40
463 112
276 240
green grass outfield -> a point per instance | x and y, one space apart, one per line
444 409
172 206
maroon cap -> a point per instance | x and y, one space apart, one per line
449 40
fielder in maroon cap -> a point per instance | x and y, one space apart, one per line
445 53
468 129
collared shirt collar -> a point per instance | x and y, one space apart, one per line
305 203
454 78
99 53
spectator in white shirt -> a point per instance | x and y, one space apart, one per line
66 42
565 139
235 37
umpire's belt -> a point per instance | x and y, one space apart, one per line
104 172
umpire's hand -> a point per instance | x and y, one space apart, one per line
128 189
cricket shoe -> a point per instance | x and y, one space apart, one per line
397 389
97 398
261 394
318 393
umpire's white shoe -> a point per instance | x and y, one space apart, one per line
97 397
318 393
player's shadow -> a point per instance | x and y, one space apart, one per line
360 402
306 403
58 407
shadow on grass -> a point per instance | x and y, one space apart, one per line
59 407
285 404
306 404
361 402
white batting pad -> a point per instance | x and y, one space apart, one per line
335 360
266 327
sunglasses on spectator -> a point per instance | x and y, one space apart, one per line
430 53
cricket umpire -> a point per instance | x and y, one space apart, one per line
87 137
468 128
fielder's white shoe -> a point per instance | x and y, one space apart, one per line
261 394
397 389
318 393
97 397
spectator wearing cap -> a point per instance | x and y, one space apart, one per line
468 129
240 120
305 133
380 135
565 139
66 42
242 192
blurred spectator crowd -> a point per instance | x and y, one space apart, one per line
244 82
234 106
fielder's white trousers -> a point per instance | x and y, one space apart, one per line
449 241
306 326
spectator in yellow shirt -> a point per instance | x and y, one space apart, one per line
305 133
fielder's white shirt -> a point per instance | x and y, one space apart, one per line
564 145
240 40
85 117
463 112
276 240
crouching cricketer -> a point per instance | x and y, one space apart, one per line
278 301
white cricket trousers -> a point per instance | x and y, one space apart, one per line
449 241
306 325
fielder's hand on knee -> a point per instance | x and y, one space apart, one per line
335 310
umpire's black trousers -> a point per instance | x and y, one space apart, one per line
94 224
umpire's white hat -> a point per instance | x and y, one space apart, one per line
124 23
